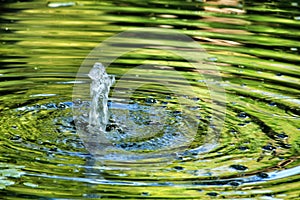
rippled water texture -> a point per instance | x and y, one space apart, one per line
255 47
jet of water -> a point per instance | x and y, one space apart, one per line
99 90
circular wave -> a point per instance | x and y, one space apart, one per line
148 130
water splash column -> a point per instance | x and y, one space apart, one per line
99 90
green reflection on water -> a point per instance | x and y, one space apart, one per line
255 46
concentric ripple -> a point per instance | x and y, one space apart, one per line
255 46
151 130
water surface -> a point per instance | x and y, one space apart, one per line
254 44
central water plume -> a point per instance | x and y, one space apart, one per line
99 90
138 127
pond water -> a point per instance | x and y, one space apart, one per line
245 109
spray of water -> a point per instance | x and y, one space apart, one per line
135 132
99 90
